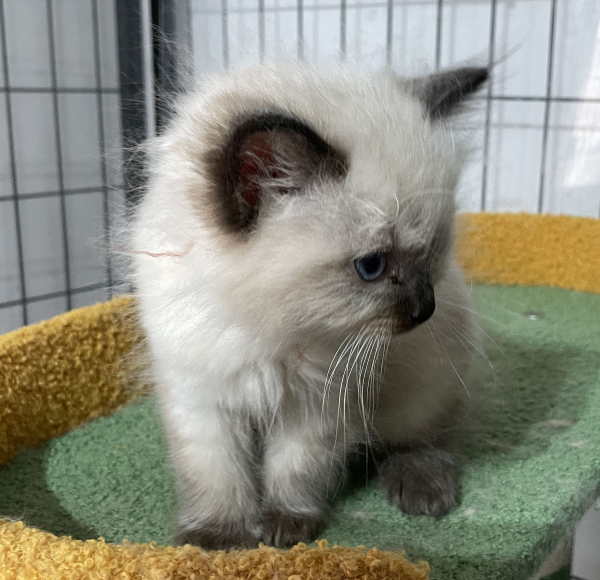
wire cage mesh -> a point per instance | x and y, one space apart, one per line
71 74
59 159
536 142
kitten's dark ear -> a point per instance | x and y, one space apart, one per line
268 155
443 93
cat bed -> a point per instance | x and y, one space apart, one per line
532 462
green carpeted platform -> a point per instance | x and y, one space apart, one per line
532 462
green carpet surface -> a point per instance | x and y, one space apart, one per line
532 460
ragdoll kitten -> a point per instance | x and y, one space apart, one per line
297 286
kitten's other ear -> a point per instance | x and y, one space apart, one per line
267 155
443 93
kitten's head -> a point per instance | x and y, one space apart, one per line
331 196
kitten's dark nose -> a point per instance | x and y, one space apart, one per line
415 297
421 301
422 311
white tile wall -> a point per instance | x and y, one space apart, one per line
207 37
107 24
522 41
74 49
414 37
5 181
78 114
243 32
281 17
1 61
28 43
9 264
113 154
10 318
515 157
577 53
322 34
469 188
466 32
41 223
35 142
88 298
365 36
573 163
86 238
45 309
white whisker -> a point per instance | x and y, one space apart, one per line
462 337
335 361
452 364
479 328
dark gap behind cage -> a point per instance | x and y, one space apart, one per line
133 110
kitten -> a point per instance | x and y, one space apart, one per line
297 286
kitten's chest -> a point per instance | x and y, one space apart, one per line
275 387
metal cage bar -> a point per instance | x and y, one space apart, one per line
133 110
225 33
547 105
488 108
389 31
102 142
438 34
261 30
343 29
59 154
13 171
300 28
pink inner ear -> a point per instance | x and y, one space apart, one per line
258 162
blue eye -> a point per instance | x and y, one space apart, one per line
370 267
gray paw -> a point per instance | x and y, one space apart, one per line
220 536
420 482
284 530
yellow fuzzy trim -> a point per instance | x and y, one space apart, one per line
27 553
62 372
526 249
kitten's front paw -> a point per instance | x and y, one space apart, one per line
420 482
284 530
216 537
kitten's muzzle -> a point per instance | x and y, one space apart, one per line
420 302
415 302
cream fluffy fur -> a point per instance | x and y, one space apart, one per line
242 330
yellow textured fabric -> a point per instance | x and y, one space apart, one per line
27 553
62 372
526 249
